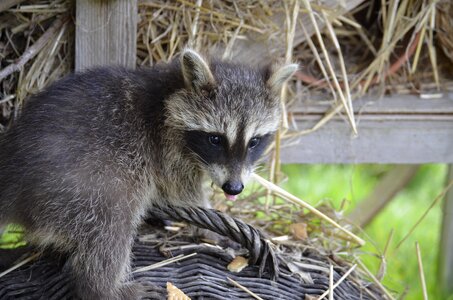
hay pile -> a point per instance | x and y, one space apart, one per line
36 48
346 49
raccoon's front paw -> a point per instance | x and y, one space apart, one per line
141 290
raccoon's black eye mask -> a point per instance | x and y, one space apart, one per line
257 145
214 147
209 147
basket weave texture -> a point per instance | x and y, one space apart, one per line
202 276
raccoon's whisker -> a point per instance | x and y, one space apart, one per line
260 168
197 157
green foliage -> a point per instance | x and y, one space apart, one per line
332 182
12 237
337 182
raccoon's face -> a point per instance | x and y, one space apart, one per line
228 162
229 114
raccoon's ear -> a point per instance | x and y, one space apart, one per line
195 71
280 76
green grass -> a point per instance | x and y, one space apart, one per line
353 183
12 237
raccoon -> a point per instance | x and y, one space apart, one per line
94 151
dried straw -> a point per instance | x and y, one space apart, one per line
420 271
5 4
444 27
164 263
20 264
436 200
293 199
237 284
375 280
345 275
35 49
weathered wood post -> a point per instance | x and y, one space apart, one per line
106 33
445 266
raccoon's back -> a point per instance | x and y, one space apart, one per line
84 120
75 114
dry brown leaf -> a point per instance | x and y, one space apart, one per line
237 264
299 231
174 293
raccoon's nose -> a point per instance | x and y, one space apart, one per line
233 187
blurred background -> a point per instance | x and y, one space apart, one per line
344 186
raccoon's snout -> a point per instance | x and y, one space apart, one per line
232 187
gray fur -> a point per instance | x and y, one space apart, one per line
94 151
195 71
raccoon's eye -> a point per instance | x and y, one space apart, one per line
254 142
215 140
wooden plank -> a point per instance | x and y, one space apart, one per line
394 104
389 186
106 32
379 141
392 130
445 266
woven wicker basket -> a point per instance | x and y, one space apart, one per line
201 276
